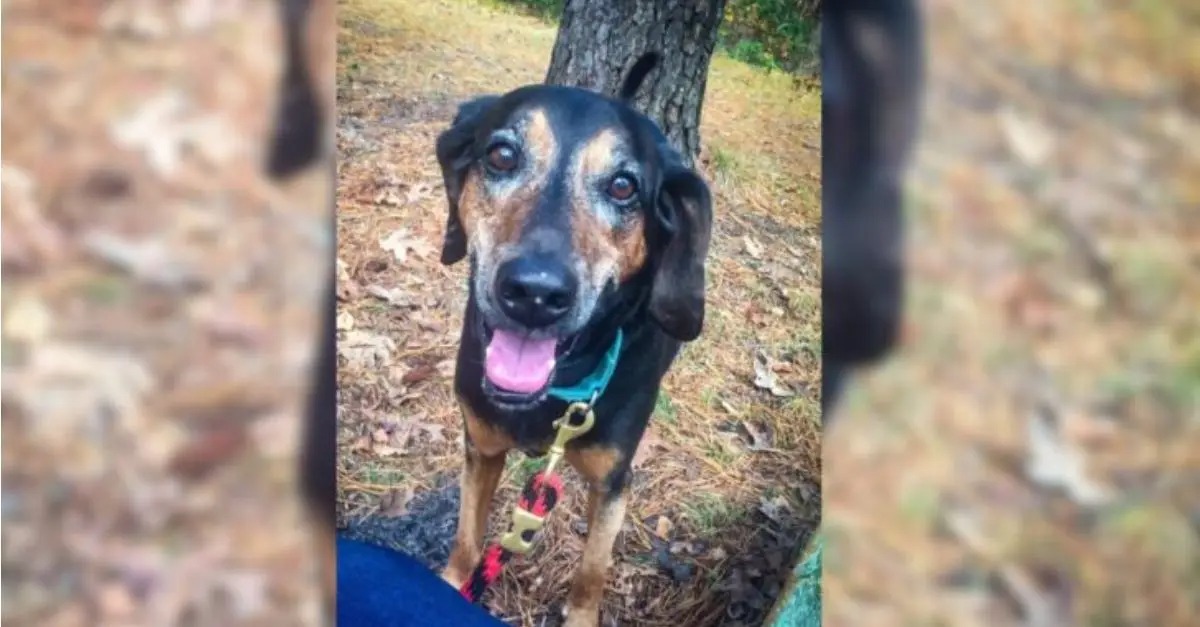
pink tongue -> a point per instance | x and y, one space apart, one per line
519 364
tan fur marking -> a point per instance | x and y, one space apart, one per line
587 590
595 463
485 454
600 246
492 222
485 438
632 243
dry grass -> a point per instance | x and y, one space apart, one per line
1057 282
402 69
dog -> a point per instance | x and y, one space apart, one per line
872 75
300 139
581 224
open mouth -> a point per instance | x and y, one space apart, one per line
519 367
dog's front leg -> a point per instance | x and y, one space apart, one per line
606 513
481 473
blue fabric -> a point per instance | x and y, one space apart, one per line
379 587
595 382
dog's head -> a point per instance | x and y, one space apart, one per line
566 201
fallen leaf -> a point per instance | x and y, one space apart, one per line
753 247
345 321
418 374
1028 139
663 527
361 443
764 376
762 435
775 508
401 242
435 431
380 435
207 451
1055 463
395 503
364 350
150 261
394 296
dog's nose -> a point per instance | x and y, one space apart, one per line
535 292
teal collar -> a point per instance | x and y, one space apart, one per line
592 385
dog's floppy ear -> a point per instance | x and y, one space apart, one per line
454 154
684 212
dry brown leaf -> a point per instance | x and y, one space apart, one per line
394 296
764 376
1028 138
1056 463
762 435
418 374
775 508
365 350
435 431
151 261
663 527
402 241
207 451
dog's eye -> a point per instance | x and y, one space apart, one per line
502 158
622 187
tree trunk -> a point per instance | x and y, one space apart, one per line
598 42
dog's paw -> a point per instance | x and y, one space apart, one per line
453 577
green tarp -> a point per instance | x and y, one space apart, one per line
799 603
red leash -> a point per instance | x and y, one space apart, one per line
541 493
540 496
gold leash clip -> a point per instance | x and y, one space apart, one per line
525 524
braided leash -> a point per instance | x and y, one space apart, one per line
541 493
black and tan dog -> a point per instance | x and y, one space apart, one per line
583 228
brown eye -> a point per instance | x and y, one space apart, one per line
502 158
622 187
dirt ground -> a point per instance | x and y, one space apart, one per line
727 483
158 317
1031 456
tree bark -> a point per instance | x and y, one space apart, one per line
598 42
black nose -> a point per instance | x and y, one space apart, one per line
535 291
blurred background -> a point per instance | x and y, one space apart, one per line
1031 454
159 314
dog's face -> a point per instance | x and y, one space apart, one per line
563 199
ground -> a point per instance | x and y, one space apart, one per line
159 310
1031 455
727 485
